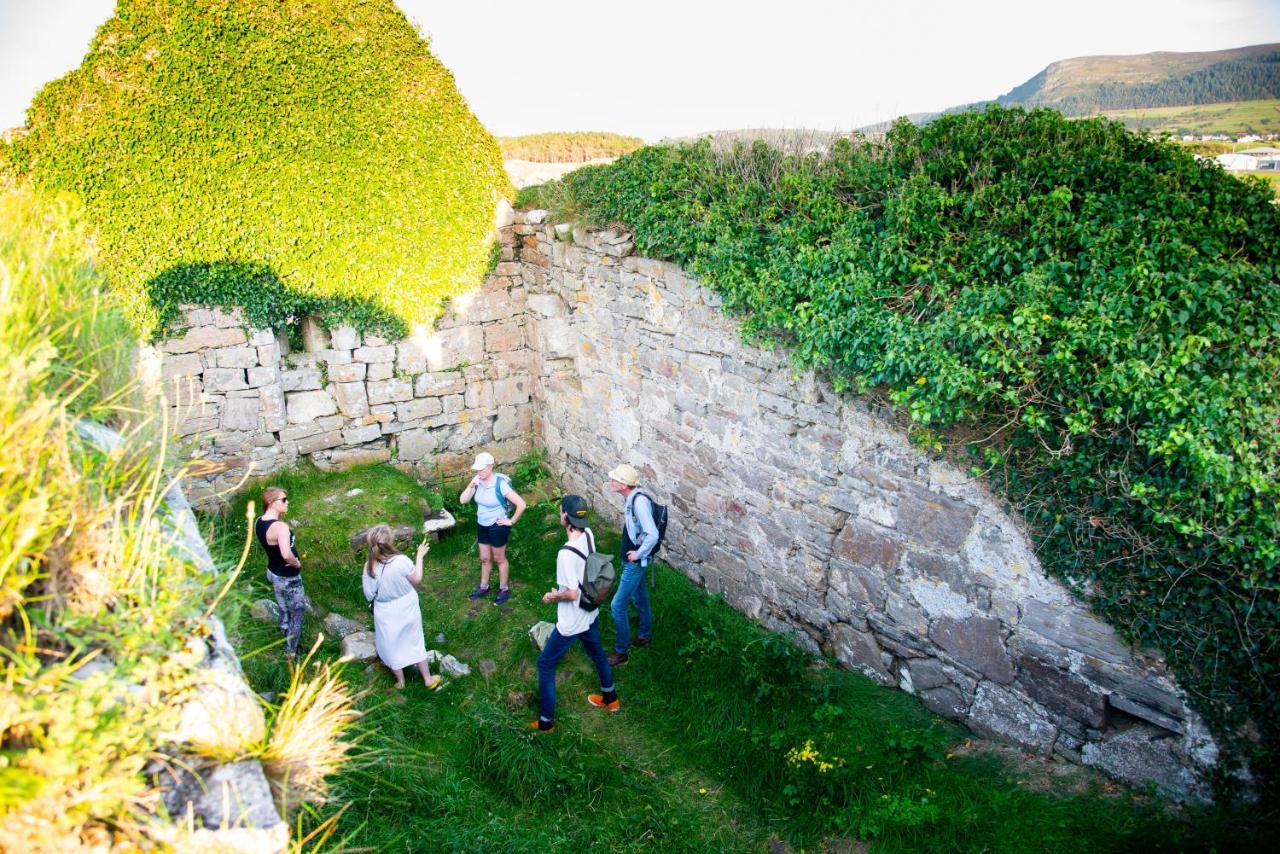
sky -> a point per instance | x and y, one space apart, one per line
668 68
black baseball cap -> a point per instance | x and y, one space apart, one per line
575 507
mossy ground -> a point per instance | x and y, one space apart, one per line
697 758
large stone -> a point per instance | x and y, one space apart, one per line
364 455
320 442
344 338
539 633
204 338
976 643
1140 755
224 379
945 700
306 406
359 646
240 413
314 335
421 408
502 337
454 347
352 372
222 718
361 434
182 365
234 797
557 339
400 534
237 357
415 445
867 545
390 391
353 402
934 520
374 354
1062 692
547 305
926 674
340 626
507 424
274 414
439 384
858 650
511 391
1067 625
301 378
998 713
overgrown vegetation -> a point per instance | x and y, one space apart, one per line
312 142
103 612
728 735
567 146
1093 314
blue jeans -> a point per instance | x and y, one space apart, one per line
632 587
557 645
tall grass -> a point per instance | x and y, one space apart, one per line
102 612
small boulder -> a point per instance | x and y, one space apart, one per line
359 646
540 632
487 666
340 626
399 534
449 665
265 610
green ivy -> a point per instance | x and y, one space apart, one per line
318 140
1097 312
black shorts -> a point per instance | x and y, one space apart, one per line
493 535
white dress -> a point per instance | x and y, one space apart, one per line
397 620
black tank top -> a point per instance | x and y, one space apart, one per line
275 560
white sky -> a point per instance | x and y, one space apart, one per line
679 67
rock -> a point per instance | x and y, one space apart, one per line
1062 692
976 644
399 534
311 608
352 493
306 406
234 795
314 336
223 717
265 610
998 713
359 646
340 626
438 523
1141 755
935 520
859 651
449 665
487 666
946 701
540 632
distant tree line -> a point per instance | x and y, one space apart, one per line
1253 79
567 147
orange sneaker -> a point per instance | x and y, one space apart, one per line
533 725
597 700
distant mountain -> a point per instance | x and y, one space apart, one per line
1086 85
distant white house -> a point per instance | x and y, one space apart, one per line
1237 162
1249 137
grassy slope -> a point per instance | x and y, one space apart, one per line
696 759
1234 119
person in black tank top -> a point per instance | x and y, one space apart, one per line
284 568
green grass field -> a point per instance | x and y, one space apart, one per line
719 746
1234 119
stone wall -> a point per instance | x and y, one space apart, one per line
813 513
238 400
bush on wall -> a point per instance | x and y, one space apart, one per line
1095 312
318 139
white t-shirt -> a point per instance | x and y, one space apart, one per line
390 580
570 619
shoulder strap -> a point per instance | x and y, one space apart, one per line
567 547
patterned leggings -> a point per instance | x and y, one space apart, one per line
292 601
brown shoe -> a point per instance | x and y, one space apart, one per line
616 658
641 642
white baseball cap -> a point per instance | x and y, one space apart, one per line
484 459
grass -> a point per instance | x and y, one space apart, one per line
721 743
1234 119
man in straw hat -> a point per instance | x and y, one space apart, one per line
639 538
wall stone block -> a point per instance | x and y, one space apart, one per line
352 400
224 379
390 391
380 371
204 338
307 406
237 357
352 372
368 354
344 338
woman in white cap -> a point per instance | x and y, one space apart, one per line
492 491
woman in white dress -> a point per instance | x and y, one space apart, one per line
389 580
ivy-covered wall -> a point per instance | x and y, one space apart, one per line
292 157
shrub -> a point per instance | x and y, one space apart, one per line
1092 314
315 139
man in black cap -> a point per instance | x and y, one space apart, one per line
572 622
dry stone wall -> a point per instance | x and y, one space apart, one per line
813 513
241 402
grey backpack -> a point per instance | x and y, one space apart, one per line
597 578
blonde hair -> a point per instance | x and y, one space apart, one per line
381 547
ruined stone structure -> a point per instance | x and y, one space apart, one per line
811 511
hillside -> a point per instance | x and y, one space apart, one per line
1085 85
1233 118
287 157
